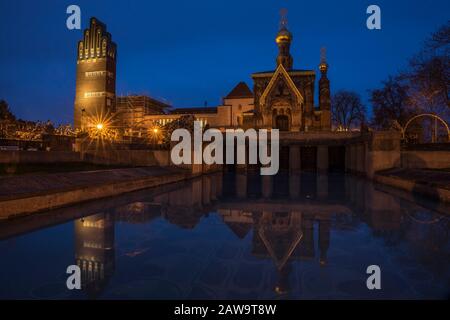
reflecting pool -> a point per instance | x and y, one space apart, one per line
234 236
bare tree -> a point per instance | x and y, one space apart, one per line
348 111
429 74
5 112
440 40
184 122
391 104
422 88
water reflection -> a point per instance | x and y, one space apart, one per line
251 236
94 251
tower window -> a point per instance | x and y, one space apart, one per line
94 74
94 94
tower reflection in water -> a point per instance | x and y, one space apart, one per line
94 251
287 217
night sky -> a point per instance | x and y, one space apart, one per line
189 52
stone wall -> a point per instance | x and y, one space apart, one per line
128 157
31 193
425 159
38 157
143 158
106 157
382 152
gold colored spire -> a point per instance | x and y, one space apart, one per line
283 34
323 66
283 20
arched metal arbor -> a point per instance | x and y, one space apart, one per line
431 115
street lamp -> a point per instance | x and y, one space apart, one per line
83 110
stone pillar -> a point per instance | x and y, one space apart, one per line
357 157
213 180
219 184
294 158
241 168
347 158
295 126
360 156
363 163
353 158
206 190
294 185
195 197
197 169
307 242
80 147
266 186
322 159
322 186
324 240
241 186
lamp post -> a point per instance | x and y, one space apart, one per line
82 118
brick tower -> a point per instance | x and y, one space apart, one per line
95 95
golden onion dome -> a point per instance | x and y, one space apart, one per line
283 35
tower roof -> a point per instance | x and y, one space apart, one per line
96 42
283 40
241 90
239 229
283 35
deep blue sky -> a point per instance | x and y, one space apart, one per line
191 51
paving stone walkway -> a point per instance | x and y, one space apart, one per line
26 185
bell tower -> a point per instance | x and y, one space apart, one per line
283 40
95 95
324 92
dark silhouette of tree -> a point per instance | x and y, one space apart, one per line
5 112
348 111
184 122
391 104
49 128
429 80
422 88
440 40
429 76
